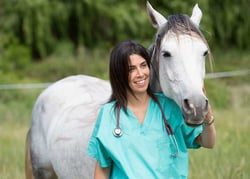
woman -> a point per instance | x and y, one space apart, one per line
133 135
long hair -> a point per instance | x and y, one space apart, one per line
119 70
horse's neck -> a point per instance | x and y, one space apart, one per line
154 83
154 74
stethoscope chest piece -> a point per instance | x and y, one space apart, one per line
117 132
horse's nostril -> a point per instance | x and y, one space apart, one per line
206 105
185 103
188 107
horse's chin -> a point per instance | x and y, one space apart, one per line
193 125
194 122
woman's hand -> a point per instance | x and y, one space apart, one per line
208 136
101 173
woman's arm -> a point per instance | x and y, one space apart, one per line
208 136
101 173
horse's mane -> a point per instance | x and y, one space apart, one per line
180 24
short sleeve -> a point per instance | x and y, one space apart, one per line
190 134
95 148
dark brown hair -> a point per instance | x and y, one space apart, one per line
119 70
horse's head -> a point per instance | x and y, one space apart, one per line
178 60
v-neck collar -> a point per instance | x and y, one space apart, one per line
146 118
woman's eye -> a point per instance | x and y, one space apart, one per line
144 65
131 69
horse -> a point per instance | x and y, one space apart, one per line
64 113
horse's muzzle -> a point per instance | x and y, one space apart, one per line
194 114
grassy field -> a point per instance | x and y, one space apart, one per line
14 123
229 158
230 100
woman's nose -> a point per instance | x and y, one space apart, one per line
139 72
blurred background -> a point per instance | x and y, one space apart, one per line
42 41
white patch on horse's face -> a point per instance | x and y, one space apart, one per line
182 65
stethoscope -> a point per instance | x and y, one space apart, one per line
117 132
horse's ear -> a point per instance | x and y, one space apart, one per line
156 18
196 15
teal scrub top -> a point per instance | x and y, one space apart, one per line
144 150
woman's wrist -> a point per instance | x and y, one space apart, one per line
209 121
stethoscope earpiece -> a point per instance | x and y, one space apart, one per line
117 132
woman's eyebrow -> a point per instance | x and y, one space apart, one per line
143 62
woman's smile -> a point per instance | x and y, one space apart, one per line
140 83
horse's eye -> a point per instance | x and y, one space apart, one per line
166 54
205 53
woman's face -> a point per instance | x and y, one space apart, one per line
138 79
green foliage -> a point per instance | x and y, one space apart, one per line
230 26
41 24
29 21
62 63
16 57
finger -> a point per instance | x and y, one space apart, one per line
204 90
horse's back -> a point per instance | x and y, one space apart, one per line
62 121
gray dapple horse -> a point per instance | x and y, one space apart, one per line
64 114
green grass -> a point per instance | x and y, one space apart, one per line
12 150
15 112
229 158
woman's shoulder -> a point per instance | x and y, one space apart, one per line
172 110
162 97
108 105
105 110
166 101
